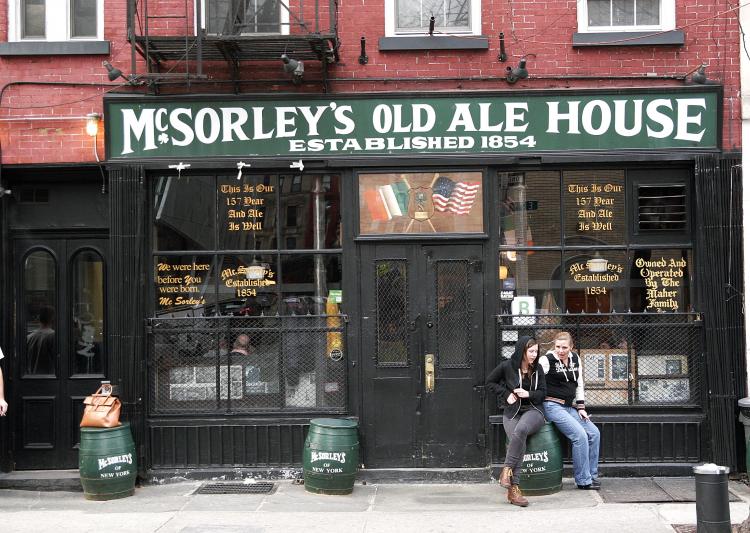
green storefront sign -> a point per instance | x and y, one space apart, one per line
312 126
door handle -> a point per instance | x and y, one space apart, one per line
429 373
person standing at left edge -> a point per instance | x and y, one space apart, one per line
3 403
520 388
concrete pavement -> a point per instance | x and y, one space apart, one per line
371 508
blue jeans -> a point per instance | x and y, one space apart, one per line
583 435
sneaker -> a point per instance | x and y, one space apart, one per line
596 484
591 486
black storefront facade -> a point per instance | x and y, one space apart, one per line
272 260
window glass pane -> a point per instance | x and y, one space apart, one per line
40 295
267 16
33 14
530 274
306 283
218 16
185 213
623 12
599 12
457 13
594 207
249 285
247 212
595 282
311 213
647 12
421 202
453 313
83 18
184 285
660 281
88 313
391 310
529 208
409 14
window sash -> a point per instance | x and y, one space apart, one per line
393 28
608 9
52 12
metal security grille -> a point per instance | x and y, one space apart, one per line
662 207
452 287
644 359
235 488
247 364
391 310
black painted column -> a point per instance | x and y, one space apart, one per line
126 295
718 253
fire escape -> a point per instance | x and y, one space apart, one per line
180 39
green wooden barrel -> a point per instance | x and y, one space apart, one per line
330 456
107 462
542 469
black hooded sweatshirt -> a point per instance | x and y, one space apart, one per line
507 376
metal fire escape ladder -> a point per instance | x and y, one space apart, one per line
235 39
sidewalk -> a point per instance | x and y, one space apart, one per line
371 508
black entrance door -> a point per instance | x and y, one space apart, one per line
422 346
59 345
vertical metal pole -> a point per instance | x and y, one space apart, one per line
131 34
319 221
199 36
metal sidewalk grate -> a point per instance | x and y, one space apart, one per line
235 488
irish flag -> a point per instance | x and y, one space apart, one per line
387 201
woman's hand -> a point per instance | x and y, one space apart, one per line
511 398
583 414
521 393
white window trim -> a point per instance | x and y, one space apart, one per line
666 16
390 21
55 11
284 19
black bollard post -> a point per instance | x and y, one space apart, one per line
712 499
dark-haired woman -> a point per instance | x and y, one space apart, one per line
520 388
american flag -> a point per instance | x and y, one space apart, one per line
456 197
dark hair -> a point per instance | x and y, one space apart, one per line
46 315
529 343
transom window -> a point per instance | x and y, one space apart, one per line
626 15
55 20
409 17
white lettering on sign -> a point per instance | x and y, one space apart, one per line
537 456
339 457
115 459
423 126
567 114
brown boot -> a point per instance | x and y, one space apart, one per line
515 496
506 475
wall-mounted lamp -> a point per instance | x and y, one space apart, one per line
517 73
432 25
597 263
4 191
363 59
699 75
179 167
299 165
293 67
502 56
92 124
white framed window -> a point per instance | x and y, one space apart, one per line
412 17
55 20
625 15
245 17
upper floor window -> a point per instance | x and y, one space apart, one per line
626 15
246 17
408 17
55 20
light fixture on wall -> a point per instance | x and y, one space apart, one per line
92 124
294 67
502 56
517 73
240 166
4 191
699 75
597 264
363 59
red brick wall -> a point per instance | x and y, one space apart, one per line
542 31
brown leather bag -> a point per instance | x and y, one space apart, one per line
102 410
